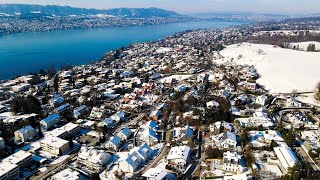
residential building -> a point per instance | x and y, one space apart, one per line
155 174
97 113
114 143
149 136
183 133
56 100
131 164
179 156
286 157
2 143
49 122
261 100
125 133
24 134
93 159
81 110
66 131
21 87
54 145
231 162
66 174
226 140
155 115
20 158
63 108
137 157
8 171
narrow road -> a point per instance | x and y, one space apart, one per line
52 169
163 153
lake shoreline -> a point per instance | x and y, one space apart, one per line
40 50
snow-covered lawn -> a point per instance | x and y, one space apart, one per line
304 45
176 77
281 70
309 99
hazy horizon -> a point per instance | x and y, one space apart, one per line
192 6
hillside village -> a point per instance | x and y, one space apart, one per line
159 110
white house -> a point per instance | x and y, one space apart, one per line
137 157
183 133
66 174
261 100
114 143
149 136
97 113
93 159
212 104
24 134
77 112
286 157
54 145
231 162
125 133
49 122
226 140
260 118
179 156
155 174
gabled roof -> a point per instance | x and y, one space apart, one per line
144 150
93 155
121 114
229 135
153 125
286 156
133 159
126 131
116 140
51 118
151 133
25 129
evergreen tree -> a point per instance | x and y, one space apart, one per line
39 131
94 176
70 141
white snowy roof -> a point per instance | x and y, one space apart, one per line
179 152
6 167
66 174
286 156
54 141
17 157
93 155
155 173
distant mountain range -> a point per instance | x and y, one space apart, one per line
53 10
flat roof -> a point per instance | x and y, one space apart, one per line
54 141
66 128
67 174
17 157
6 167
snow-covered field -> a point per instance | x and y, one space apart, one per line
176 77
281 70
304 45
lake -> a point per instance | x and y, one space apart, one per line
29 52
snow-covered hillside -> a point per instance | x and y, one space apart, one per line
281 70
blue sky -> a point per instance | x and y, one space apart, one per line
195 6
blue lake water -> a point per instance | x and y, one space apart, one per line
29 52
